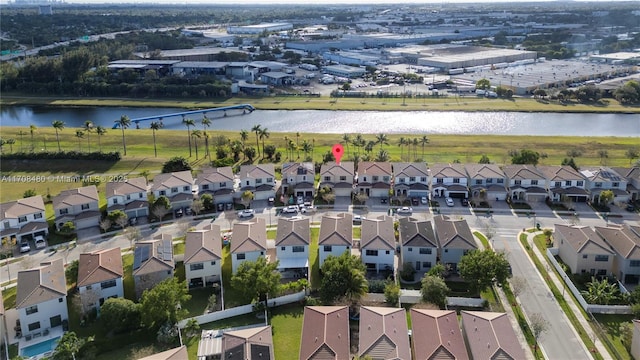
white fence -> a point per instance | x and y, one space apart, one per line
590 308
244 309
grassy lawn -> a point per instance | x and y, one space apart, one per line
9 297
232 297
198 302
357 231
178 248
127 282
611 324
314 258
286 322
522 321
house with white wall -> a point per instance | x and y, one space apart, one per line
336 235
454 240
298 179
338 177
525 183
582 250
374 178
176 186
23 217
100 275
410 179
249 241
219 182
259 179
564 182
292 247
449 180
129 196
377 244
419 246
488 179
632 174
625 241
203 256
79 206
605 178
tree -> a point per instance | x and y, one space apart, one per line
269 151
382 140
88 129
68 227
570 162
244 136
606 197
196 134
197 206
306 148
58 126
382 156
68 346
525 156
207 201
434 290
483 84
71 272
100 130
391 293
118 217
257 280
105 224
79 135
155 126
250 153
32 130
539 93
539 325
163 303
132 234
603 154
484 159
482 267
423 141
343 277
346 140
29 193
518 284
246 198
124 122
175 164
264 134
189 123
205 125
631 154
192 328
120 314
256 129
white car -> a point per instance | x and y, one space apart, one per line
246 213
290 209
405 210
449 201
40 242
24 246
423 200
357 219
308 209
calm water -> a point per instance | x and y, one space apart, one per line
438 122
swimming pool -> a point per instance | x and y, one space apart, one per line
39 348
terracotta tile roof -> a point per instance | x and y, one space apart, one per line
417 233
583 239
203 245
448 171
374 168
130 186
257 171
77 196
384 333
40 284
174 179
454 234
248 344
490 335
99 266
215 175
378 233
410 169
325 333
21 207
293 232
249 236
436 335
179 353
336 230
346 168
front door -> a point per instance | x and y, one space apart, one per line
418 265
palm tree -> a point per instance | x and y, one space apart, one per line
346 139
382 140
256 129
358 142
264 133
244 136
124 123
291 147
603 155
88 128
383 156
10 142
21 134
100 130
415 148
205 125
401 144
196 134
79 135
423 140
58 126
306 148
298 142
189 123
155 126
32 130
313 146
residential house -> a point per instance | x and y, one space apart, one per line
259 179
338 177
218 182
129 196
298 179
79 206
374 179
179 353
633 180
449 180
378 243
436 335
100 277
583 250
384 333
325 333
336 235
489 335
152 262
249 241
605 178
176 186
292 247
488 179
41 301
23 217
564 182
419 244
255 343
203 256
625 241
410 179
525 183
454 239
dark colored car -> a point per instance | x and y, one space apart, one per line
383 201
630 207
464 202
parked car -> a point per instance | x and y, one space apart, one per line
24 246
188 211
423 200
630 207
40 242
414 201
300 200
290 209
246 213
405 210
357 219
308 209
464 202
179 213
449 201
383 200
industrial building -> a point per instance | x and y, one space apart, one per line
344 71
471 56
259 28
195 54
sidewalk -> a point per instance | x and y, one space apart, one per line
575 308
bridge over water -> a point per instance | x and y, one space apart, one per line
244 107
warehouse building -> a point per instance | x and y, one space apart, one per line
259 28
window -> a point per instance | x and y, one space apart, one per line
500 181
385 179
534 182
375 178
281 248
304 178
423 179
567 183
446 250
60 300
162 193
37 216
425 251
240 256
32 309
410 249
205 187
269 180
223 184
258 181
558 183
174 190
634 263
22 219
128 197
57 320
63 211
115 200
489 181
615 184
372 252
602 257
343 178
88 287
84 206
197 266
401 180
327 248
387 252
456 180
140 195
517 182
598 184
186 188
579 183
602 272
439 181
298 249
426 264
412 179
34 326
327 178
585 256
213 263
108 284
478 182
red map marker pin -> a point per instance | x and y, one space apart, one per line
337 151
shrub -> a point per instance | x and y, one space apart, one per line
377 286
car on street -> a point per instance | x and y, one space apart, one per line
630 207
308 209
40 242
423 200
246 213
24 246
290 209
464 202
405 210
357 219
449 201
